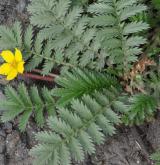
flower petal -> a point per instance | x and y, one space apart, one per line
7 55
20 67
18 55
5 68
12 74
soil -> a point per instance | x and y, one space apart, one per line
130 146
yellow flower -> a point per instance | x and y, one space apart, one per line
13 65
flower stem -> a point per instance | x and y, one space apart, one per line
38 77
40 72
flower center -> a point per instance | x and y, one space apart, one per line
14 64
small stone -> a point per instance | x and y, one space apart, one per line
21 6
2 133
21 152
31 130
7 127
11 142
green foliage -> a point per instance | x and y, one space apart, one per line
23 104
75 131
156 157
102 38
141 108
65 29
78 82
79 2
71 37
153 83
118 33
10 37
156 4
153 13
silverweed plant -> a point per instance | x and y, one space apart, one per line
95 46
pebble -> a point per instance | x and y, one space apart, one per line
7 127
11 142
2 133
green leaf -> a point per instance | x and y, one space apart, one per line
24 120
141 108
131 11
10 38
24 103
73 132
135 27
79 82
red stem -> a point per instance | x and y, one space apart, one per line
38 77
39 71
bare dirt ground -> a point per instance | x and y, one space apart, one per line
130 146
